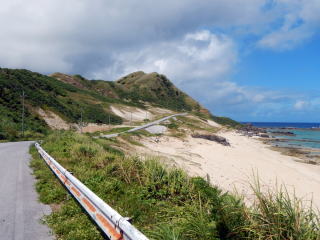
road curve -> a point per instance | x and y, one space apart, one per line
20 211
145 125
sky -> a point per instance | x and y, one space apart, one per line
251 60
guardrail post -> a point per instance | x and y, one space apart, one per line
110 221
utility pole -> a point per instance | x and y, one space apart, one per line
22 114
81 121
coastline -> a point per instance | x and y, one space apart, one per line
234 168
294 142
304 155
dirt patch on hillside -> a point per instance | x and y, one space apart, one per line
53 120
131 113
93 127
160 111
213 124
206 121
68 79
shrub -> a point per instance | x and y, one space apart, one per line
163 203
277 214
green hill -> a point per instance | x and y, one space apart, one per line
41 91
139 88
158 89
71 97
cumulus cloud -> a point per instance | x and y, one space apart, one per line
311 103
193 42
244 102
69 35
299 20
195 57
60 35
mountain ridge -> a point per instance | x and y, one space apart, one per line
72 98
139 86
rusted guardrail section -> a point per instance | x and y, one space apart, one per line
111 222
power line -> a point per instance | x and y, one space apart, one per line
81 120
22 114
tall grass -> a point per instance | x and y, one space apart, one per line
277 214
163 203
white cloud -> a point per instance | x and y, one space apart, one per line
62 35
193 42
308 104
300 105
284 39
80 36
197 56
300 20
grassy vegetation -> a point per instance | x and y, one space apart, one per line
111 131
50 94
163 203
134 137
91 99
190 123
137 88
226 121
153 88
10 129
279 215
221 120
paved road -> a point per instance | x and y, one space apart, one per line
145 125
20 211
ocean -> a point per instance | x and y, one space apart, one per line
306 135
284 125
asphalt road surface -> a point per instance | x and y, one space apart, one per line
20 211
145 125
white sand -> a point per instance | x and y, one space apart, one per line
213 124
233 167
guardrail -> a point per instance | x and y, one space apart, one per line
110 221
145 125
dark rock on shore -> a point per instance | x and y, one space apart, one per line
212 137
282 133
250 130
264 135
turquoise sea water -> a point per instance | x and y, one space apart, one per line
307 135
303 138
285 125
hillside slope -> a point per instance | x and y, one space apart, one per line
47 95
158 89
143 89
59 101
139 88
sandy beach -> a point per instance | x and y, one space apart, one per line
233 168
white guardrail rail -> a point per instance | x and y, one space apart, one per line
110 221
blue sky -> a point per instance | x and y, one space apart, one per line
252 60
296 69
295 72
